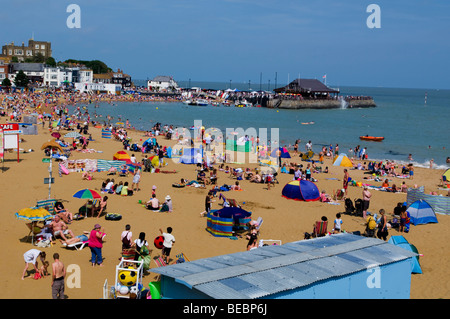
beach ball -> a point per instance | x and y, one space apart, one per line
123 290
127 277
158 242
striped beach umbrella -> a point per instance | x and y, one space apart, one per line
33 214
87 194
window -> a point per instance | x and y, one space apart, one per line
29 53
42 47
36 46
18 52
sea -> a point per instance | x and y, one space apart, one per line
412 121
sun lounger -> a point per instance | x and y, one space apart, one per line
78 246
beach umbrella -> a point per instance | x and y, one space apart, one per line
56 135
52 144
72 134
33 215
87 194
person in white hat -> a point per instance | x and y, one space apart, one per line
167 205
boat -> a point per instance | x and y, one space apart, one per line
215 103
371 138
201 102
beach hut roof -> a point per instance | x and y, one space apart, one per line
270 270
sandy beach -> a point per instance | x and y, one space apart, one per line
285 220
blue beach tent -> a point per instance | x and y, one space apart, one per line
420 212
301 190
284 153
402 242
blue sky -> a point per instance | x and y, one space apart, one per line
223 40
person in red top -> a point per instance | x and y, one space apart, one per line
95 243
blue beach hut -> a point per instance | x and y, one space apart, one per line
340 266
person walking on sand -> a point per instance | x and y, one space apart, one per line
31 257
58 275
366 200
169 240
345 182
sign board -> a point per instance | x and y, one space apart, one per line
11 133
46 160
10 127
47 180
1 144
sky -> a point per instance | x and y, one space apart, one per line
246 40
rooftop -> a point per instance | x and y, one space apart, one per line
272 269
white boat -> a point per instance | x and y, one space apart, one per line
201 102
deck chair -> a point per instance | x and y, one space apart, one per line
160 262
320 228
259 222
181 258
78 246
34 230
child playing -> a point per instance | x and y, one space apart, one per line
43 271
337 223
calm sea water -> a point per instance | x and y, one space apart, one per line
409 125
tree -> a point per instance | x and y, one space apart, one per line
38 58
14 59
50 61
21 79
6 83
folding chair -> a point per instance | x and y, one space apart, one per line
320 228
259 222
160 262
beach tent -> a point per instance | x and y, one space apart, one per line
421 212
301 190
402 242
446 176
342 160
122 156
284 153
220 223
191 156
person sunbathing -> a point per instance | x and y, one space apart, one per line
76 239
256 178
60 228
63 213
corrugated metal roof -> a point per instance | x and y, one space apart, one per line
272 269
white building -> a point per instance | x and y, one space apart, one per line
57 77
162 82
98 88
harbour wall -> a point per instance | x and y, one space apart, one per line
319 104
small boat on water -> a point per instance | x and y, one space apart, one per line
201 102
371 138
